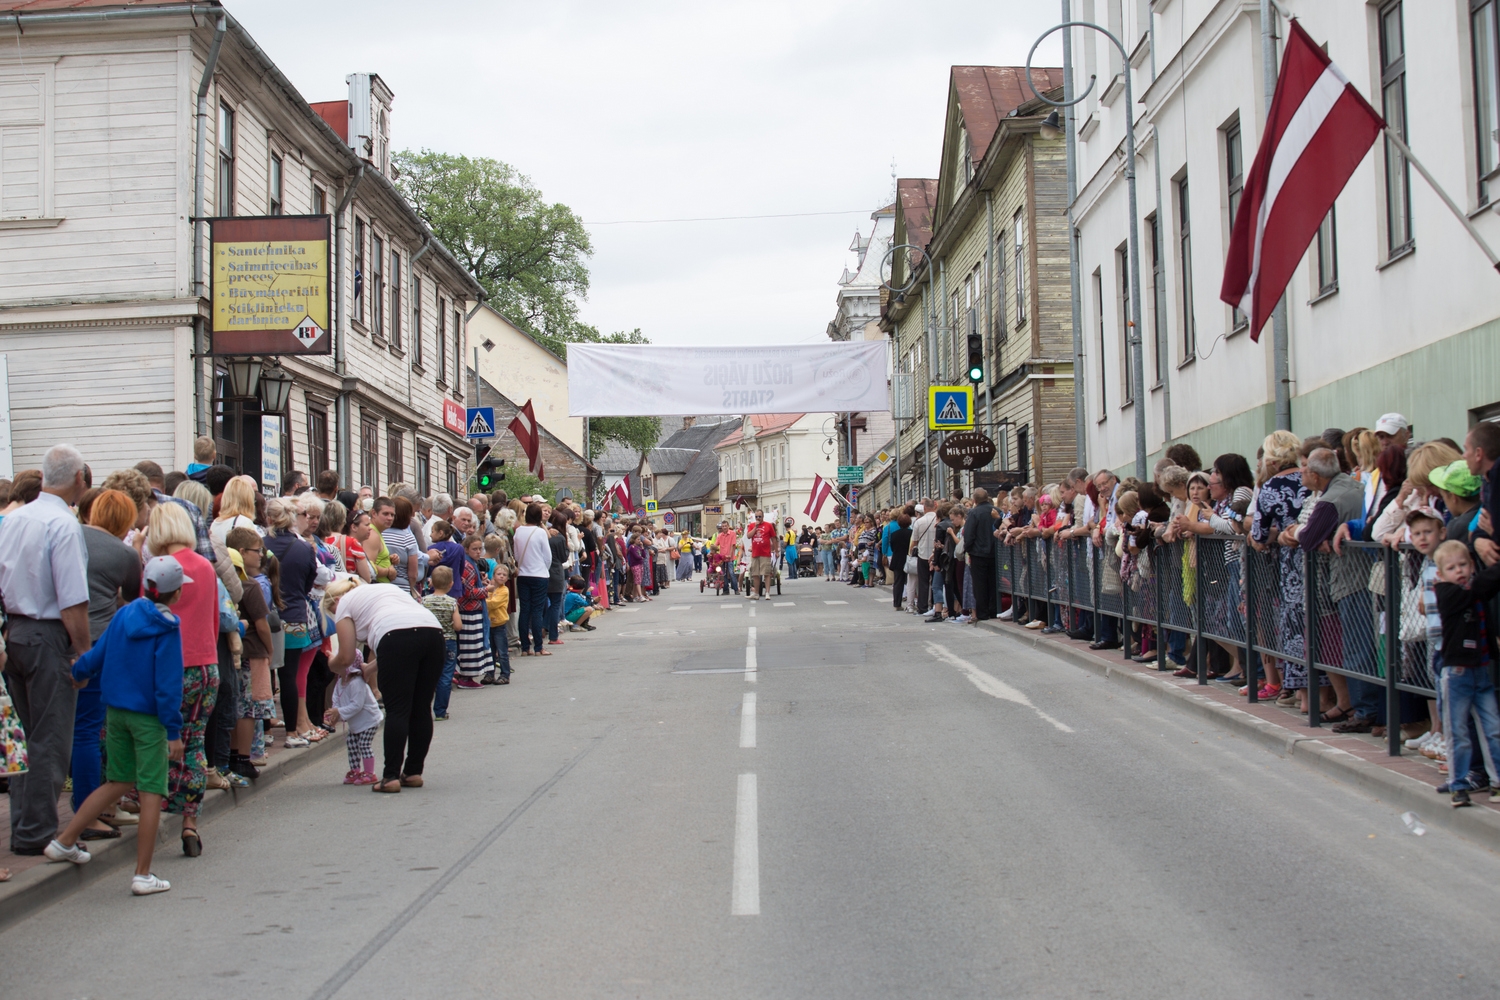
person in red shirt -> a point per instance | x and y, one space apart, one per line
762 535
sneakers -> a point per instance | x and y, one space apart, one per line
1036 623
359 776
295 742
1418 742
1459 800
1008 614
960 619
55 851
467 683
440 718
148 885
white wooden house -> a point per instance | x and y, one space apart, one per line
101 318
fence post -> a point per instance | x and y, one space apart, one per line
1070 616
1125 617
1162 663
1310 637
1096 575
1251 666
1202 661
1393 657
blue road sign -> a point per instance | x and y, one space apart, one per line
950 407
481 421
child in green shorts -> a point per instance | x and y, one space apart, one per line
139 658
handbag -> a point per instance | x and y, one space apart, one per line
13 758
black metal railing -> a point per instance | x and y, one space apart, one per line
1316 613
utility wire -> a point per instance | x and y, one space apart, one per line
725 218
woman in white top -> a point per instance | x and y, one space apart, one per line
409 650
533 555
236 509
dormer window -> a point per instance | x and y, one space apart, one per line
966 150
383 141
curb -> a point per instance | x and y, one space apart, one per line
39 887
1404 793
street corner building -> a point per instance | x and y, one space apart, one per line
135 140
986 255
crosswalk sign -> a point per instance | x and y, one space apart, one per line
950 407
481 422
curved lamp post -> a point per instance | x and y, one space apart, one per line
1133 335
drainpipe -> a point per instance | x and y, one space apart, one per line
1080 394
200 349
411 299
1280 364
340 360
1162 350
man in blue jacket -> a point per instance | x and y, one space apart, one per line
139 660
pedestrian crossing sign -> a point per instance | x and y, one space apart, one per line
950 407
650 506
481 421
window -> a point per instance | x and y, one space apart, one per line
224 205
1023 452
275 195
416 325
1001 332
25 180
1099 322
452 477
646 486
395 457
395 299
1122 269
458 353
1393 106
359 270
369 453
1185 266
319 201
377 286
1484 28
424 471
1158 298
1019 224
1328 255
442 342
973 292
1234 186
317 441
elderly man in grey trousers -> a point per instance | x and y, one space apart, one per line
44 580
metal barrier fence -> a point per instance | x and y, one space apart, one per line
1314 613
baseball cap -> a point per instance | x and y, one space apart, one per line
1392 423
164 575
1424 513
1455 478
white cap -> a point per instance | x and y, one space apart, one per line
921 509
1392 424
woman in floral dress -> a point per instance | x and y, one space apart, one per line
1277 507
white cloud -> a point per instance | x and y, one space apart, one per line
672 110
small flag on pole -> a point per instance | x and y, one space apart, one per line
822 489
529 437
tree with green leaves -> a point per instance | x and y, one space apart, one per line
637 433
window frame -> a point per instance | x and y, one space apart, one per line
1002 331
275 184
1397 168
369 452
1486 94
395 309
1234 190
224 178
1185 268
1326 257
317 440
377 286
416 324
360 228
1160 344
395 453
442 341
1103 337
458 354
1122 270
424 469
1018 226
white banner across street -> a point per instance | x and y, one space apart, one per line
628 380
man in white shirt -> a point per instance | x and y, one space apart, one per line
44 577
924 533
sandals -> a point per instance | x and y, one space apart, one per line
390 786
192 844
1338 715
411 781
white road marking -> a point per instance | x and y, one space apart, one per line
750 641
835 602
731 605
752 611
626 611
784 604
990 684
747 721
681 607
744 896
750 665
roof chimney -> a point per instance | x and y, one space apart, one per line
369 133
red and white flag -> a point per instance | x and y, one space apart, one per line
822 489
1318 131
529 437
620 492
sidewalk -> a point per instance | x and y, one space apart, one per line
36 883
1407 782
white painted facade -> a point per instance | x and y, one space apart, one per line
523 369
782 452
97 302
1411 328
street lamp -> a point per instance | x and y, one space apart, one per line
275 389
1133 335
244 376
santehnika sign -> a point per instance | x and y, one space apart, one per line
625 380
269 281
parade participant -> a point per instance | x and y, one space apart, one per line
762 536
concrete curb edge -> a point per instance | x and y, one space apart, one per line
1404 793
39 887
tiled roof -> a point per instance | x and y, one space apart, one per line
987 94
764 423
917 195
701 479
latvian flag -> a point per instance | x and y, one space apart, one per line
620 492
822 489
1318 131
529 437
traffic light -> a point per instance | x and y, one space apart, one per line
976 358
488 471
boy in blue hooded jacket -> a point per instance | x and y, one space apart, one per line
139 658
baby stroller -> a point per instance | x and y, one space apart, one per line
806 556
747 585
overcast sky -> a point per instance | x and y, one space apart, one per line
675 110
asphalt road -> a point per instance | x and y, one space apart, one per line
911 811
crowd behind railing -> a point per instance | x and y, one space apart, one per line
1321 569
